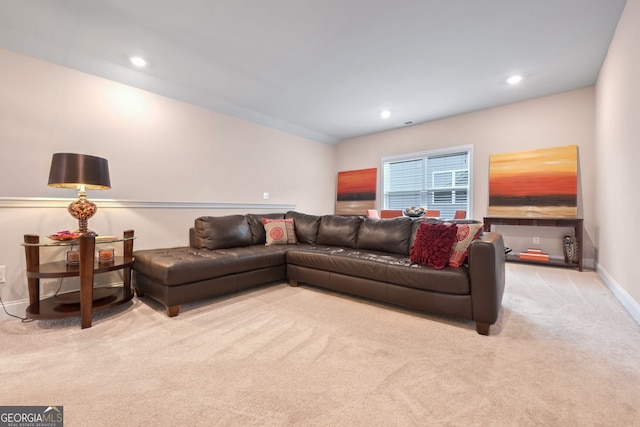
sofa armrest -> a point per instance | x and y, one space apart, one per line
486 277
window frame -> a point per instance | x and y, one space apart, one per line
431 153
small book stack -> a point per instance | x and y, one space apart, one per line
534 255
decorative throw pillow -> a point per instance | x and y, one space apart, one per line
257 227
280 231
433 244
466 234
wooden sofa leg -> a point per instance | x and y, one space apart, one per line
139 293
293 283
482 328
172 311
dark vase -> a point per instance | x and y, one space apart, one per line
570 248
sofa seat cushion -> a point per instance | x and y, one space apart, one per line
380 266
340 260
178 266
448 280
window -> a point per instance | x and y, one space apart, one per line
436 179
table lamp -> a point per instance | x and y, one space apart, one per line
83 172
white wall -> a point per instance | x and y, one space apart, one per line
618 152
557 120
158 149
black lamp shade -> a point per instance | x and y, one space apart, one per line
69 170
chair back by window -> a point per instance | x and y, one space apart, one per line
460 214
372 213
390 213
432 213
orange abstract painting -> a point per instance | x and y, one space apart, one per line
535 183
356 191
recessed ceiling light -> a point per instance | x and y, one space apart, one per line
385 114
515 79
138 61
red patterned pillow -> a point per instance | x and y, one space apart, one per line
467 233
279 231
433 244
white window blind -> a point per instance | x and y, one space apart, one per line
436 179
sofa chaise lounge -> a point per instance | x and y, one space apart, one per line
356 255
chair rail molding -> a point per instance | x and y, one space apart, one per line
55 202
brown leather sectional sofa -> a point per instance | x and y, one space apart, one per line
356 255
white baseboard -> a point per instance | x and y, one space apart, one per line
589 263
632 306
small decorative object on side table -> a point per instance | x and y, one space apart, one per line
105 255
87 303
414 212
72 257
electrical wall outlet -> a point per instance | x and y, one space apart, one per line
265 195
3 273
536 240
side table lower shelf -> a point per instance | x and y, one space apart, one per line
60 307
575 223
553 262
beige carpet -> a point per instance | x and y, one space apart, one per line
564 353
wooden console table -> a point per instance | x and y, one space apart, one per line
87 300
575 223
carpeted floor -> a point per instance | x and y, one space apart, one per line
563 353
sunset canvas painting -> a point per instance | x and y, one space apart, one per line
356 191
535 183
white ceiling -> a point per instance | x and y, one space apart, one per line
324 69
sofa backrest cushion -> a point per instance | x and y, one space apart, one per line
306 226
218 232
388 235
257 227
339 230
